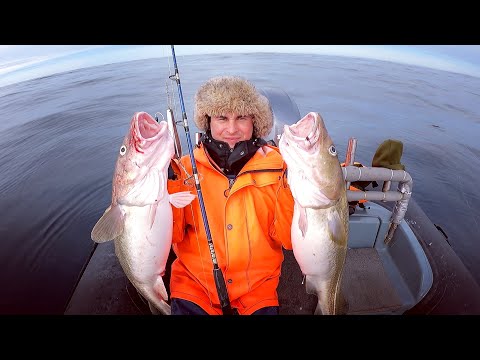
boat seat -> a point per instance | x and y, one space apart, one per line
363 230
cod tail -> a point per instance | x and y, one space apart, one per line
331 300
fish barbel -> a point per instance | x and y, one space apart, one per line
320 219
139 219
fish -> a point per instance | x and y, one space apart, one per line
139 218
320 227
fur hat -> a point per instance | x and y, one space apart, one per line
224 94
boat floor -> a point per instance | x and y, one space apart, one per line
104 289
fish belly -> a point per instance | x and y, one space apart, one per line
320 253
143 251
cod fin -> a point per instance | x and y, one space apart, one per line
302 220
315 286
337 230
159 288
109 226
310 285
164 309
161 305
153 213
181 199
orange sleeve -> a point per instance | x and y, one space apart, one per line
282 224
175 186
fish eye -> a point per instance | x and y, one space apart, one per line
123 150
332 150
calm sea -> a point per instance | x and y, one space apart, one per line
59 139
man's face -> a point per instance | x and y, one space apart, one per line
231 128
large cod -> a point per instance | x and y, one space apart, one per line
320 219
139 218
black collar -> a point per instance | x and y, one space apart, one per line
231 161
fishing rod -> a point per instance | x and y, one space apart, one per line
217 272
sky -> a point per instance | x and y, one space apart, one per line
25 62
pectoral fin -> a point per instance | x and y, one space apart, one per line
163 308
152 214
302 219
181 199
161 291
109 226
337 229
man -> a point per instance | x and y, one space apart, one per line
248 204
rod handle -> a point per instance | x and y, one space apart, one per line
222 291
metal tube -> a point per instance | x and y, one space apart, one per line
386 186
374 195
172 127
198 135
401 196
350 156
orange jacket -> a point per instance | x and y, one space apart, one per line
249 223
